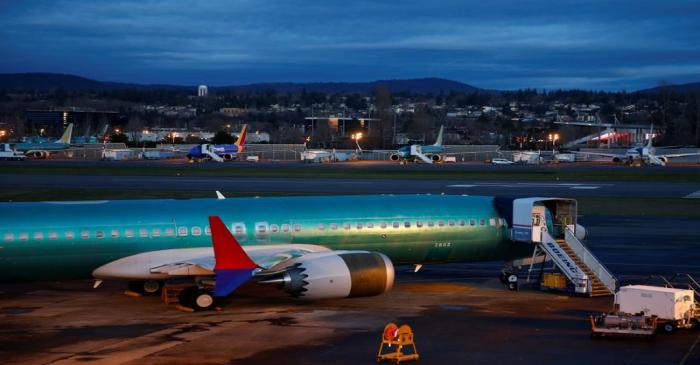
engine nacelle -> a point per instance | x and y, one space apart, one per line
580 232
616 159
38 154
227 156
436 158
394 157
336 274
663 158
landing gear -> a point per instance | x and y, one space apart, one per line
197 299
510 280
148 287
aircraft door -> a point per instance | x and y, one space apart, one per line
539 222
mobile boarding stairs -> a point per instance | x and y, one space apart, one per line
583 270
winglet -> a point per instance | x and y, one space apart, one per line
233 266
220 196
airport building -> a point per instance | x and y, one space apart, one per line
52 122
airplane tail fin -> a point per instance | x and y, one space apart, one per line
67 134
240 143
233 266
438 140
651 136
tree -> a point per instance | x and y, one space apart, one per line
118 138
221 137
382 100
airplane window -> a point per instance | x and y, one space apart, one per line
395 224
100 234
472 222
261 228
207 231
482 222
182 231
143 232
492 221
53 236
419 224
431 223
321 227
285 228
69 235
297 228
9 237
115 233
370 225
346 226
24 236
169 232
129 233
407 224
84 235
196 231
383 224
441 223
38 236
462 222
155 232
274 228
451 222
334 226
238 229
359 226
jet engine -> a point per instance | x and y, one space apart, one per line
227 156
580 232
335 274
39 154
394 157
436 158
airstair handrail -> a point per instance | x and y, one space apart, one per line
591 261
565 263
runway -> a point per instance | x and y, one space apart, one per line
356 186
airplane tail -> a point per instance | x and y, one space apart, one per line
438 140
240 143
67 134
233 266
651 136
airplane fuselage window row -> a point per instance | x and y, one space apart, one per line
240 229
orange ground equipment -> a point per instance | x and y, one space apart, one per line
401 337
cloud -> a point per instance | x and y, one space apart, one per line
497 44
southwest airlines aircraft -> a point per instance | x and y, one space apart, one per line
312 247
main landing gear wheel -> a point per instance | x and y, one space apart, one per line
148 287
197 299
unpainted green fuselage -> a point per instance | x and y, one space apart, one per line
62 240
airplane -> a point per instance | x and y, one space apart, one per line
305 246
643 154
218 152
44 150
426 153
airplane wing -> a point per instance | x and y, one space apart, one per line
611 155
679 155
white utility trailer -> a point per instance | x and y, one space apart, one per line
674 308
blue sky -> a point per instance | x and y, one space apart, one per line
500 44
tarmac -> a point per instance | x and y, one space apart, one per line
460 313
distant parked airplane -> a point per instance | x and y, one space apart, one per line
44 150
219 152
426 153
645 154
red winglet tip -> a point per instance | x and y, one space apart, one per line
227 251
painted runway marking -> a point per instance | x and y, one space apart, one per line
695 195
530 185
